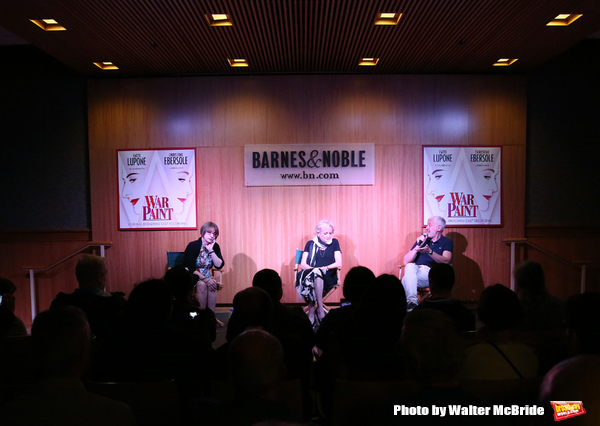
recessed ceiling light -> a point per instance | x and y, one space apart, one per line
563 20
387 18
106 66
238 62
504 62
368 62
219 20
48 24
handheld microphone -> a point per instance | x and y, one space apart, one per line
426 240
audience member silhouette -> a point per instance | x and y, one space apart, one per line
367 339
102 308
543 315
10 324
292 328
328 367
432 349
256 365
541 310
147 347
356 283
201 324
252 308
577 379
61 339
441 282
583 323
501 355
256 369
289 325
141 350
196 328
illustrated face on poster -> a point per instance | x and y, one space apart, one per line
179 179
462 184
485 187
157 189
440 178
133 178
483 173
181 188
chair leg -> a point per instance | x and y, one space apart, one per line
325 296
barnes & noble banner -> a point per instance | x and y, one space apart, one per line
326 164
157 189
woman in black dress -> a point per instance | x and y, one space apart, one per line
320 260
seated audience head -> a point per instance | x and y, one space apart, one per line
7 286
529 278
574 379
385 302
180 282
150 303
499 308
269 281
386 290
356 283
61 342
433 345
583 323
441 279
256 363
7 291
90 272
252 308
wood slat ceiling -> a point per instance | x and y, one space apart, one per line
173 38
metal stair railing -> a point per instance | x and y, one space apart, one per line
513 248
32 271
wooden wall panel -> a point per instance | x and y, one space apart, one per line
262 226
